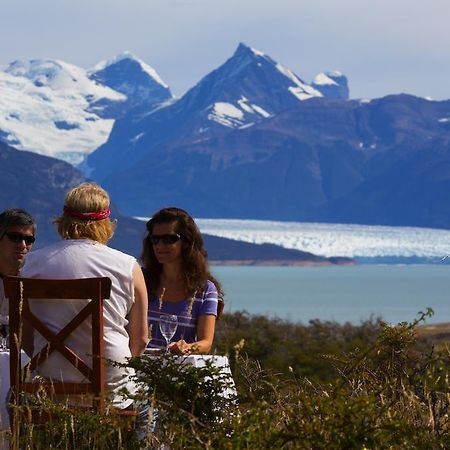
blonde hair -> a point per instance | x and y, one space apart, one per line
87 197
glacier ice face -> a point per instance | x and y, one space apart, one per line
369 241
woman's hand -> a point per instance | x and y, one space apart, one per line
180 347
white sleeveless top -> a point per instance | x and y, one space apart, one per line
83 258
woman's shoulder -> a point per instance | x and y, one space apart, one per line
209 289
209 285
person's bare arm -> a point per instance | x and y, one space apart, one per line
137 327
205 335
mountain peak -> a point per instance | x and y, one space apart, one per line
245 50
59 76
43 72
127 74
129 58
332 84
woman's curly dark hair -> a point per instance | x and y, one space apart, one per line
194 256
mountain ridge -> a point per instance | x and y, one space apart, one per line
41 192
252 140
247 88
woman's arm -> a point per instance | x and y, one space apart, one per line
205 335
137 327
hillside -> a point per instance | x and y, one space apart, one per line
38 184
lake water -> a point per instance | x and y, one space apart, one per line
353 294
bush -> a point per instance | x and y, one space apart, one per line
319 386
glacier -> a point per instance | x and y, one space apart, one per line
327 239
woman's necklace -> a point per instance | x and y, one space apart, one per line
190 305
189 310
161 299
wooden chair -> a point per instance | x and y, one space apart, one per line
21 292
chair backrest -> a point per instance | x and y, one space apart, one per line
22 291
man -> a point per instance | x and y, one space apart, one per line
17 236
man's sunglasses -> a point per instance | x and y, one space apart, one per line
164 238
16 237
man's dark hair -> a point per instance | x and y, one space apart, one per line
15 217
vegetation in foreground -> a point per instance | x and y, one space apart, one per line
321 385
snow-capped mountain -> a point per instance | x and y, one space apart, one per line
135 79
61 110
248 88
332 84
325 160
250 140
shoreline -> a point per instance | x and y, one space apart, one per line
279 262
437 331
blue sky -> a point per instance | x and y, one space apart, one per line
383 46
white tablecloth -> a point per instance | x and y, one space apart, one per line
217 361
200 361
4 393
4 389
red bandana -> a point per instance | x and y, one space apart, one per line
97 215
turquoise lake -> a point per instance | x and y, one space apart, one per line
342 294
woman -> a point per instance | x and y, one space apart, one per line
85 229
179 282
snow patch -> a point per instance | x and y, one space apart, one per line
61 76
300 93
322 79
257 52
247 125
289 74
136 138
301 90
227 109
226 114
252 108
261 111
38 94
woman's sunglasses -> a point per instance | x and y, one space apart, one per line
19 237
164 238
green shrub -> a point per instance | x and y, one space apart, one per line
315 386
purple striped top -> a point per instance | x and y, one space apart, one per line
205 303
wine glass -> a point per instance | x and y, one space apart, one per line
4 332
168 324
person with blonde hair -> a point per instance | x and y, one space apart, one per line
85 229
